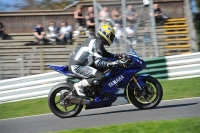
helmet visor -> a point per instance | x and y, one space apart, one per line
112 37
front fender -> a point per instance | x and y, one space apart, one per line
139 78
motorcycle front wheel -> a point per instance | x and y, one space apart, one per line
149 97
60 107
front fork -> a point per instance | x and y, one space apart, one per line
136 82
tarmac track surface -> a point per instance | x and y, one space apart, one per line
170 109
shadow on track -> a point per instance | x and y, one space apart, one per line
177 105
130 110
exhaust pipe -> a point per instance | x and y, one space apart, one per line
77 100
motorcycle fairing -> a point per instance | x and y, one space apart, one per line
125 74
61 69
117 90
118 98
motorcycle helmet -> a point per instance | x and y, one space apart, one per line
108 33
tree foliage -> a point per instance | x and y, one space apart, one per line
33 5
198 4
46 4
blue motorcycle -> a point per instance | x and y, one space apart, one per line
121 86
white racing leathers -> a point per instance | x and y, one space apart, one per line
88 57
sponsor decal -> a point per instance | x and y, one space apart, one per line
109 29
117 80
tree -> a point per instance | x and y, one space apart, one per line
198 4
33 5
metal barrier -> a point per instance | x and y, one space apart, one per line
174 67
37 86
29 87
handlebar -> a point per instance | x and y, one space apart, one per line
125 60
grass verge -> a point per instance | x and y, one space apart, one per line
181 88
173 89
184 125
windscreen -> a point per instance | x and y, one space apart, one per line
133 53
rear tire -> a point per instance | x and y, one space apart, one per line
151 95
60 107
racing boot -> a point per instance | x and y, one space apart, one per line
80 85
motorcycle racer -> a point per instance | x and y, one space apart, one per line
91 56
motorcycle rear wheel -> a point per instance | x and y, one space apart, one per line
60 107
151 95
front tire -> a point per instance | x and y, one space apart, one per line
151 95
60 107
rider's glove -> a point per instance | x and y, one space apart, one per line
119 56
115 64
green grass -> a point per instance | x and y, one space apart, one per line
24 108
173 89
185 125
182 88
